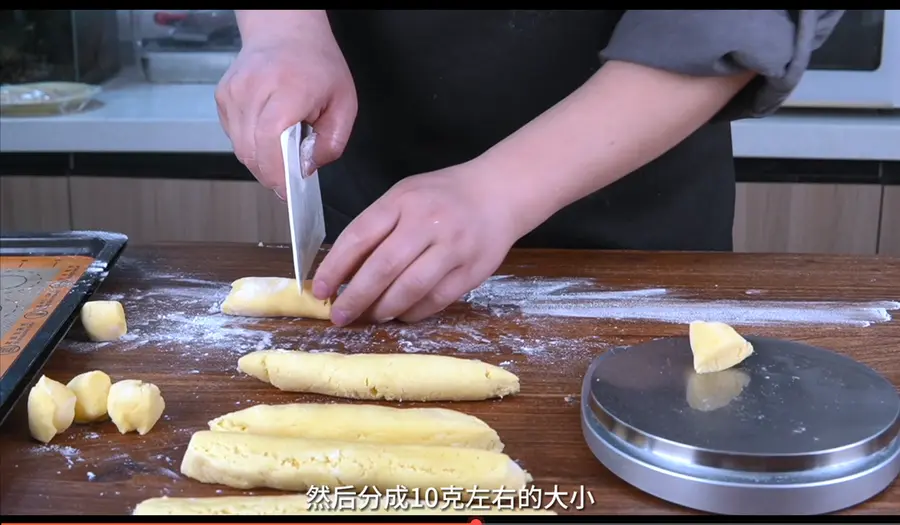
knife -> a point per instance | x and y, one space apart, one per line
304 198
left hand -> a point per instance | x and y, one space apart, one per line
423 245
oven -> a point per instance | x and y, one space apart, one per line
858 67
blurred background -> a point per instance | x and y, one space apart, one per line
144 154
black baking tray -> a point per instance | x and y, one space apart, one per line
104 248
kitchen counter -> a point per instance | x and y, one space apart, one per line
180 342
134 116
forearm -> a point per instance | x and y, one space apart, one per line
625 116
256 25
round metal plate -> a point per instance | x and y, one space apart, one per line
794 429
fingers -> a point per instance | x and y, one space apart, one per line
353 246
417 281
276 115
451 288
333 127
392 257
239 121
229 118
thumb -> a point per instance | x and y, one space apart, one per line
333 128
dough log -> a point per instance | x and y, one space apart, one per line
301 504
247 461
103 320
274 297
392 377
364 424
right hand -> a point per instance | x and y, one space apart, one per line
276 82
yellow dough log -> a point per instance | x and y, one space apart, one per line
364 424
92 392
51 409
393 377
274 297
717 346
247 461
103 320
301 504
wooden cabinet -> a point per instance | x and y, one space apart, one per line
807 218
769 217
150 210
890 222
34 204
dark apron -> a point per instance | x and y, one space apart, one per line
438 88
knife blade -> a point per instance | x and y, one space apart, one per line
304 197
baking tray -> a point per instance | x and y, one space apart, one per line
44 278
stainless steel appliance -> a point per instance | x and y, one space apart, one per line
185 46
858 67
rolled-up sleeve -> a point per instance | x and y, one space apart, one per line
775 44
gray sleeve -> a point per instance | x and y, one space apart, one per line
776 44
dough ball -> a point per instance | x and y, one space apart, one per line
717 347
103 320
51 409
91 392
134 405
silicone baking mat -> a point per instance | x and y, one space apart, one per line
44 278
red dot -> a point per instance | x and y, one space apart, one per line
475 521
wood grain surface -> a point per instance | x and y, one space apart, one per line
180 342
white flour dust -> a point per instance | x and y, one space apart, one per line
576 298
183 316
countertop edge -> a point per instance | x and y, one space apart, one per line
135 116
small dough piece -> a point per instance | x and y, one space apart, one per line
363 424
103 320
51 409
92 392
274 297
247 461
708 392
135 405
717 346
294 504
392 377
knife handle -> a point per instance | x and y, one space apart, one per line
307 166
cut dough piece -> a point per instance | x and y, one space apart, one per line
51 409
247 461
274 297
717 346
363 423
708 392
135 405
103 320
92 392
393 377
301 504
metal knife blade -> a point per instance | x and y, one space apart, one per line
304 198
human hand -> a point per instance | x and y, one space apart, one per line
277 81
424 244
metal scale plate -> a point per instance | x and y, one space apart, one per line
43 280
794 429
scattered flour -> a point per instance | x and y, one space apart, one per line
70 454
576 298
183 316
